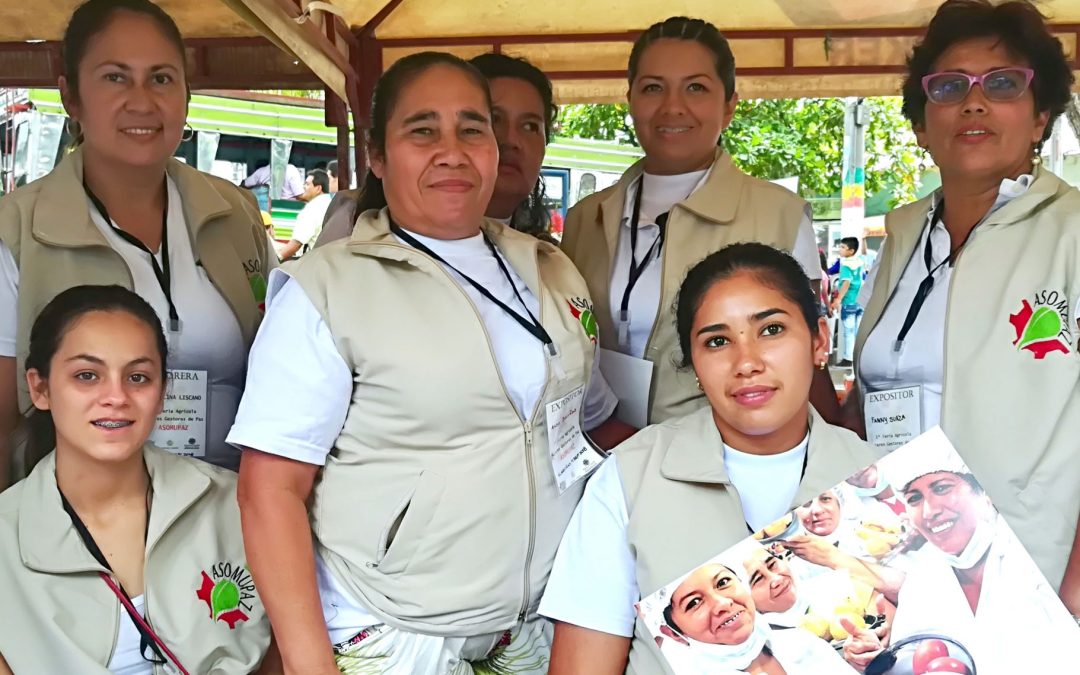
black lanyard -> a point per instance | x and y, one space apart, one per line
802 475
531 324
927 284
146 639
636 269
162 271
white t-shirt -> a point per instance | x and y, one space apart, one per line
309 221
766 483
126 658
593 582
922 361
321 383
210 338
661 194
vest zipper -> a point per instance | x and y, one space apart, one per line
526 425
532 524
529 463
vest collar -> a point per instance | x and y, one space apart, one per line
49 543
371 236
61 217
716 201
696 455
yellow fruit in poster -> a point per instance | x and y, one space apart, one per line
837 630
777 527
817 625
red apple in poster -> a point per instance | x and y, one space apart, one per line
947 664
926 652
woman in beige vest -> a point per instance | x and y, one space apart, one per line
120 210
441 375
634 241
116 556
750 329
971 309
524 121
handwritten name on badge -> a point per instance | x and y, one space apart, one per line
181 426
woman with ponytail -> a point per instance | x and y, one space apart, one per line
634 241
441 366
115 556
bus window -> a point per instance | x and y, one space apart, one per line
586 186
556 195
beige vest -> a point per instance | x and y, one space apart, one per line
56 245
677 488
1013 413
730 207
58 616
438 508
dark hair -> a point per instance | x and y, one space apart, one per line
492 66
331 168
320 178
387 90
851 242
770 267
1018 27
683 28
49 330
531 216
93 16
669 617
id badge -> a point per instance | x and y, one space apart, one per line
181 426
572 455
893 416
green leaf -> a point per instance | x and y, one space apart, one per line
224 597
1045 323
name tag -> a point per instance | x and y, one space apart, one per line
572 456
893 416
181 426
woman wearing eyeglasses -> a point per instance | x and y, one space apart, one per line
971 321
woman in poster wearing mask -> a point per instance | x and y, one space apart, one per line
971 580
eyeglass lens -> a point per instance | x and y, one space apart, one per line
1001 85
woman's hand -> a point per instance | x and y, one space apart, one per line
862 646
814 549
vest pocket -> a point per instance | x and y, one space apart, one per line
402 535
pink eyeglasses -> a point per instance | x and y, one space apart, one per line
1003 84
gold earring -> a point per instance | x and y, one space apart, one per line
700 388
824 362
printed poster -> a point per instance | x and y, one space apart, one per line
905 568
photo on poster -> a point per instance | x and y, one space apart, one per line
905 568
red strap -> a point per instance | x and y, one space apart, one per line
142 623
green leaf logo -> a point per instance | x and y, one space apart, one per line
258 287
1045 324
224 597
588 322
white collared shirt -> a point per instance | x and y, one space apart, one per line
210 337
661 194
922 361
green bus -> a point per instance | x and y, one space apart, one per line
237 132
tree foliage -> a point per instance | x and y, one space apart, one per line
778 138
